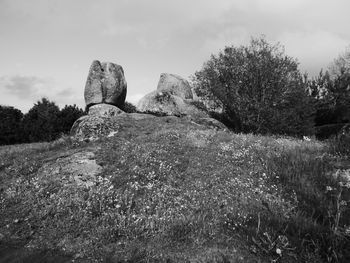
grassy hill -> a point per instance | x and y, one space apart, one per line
166 189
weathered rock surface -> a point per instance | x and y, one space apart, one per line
175 85
75 168
165 102
172 97
94 126
105 84
106 110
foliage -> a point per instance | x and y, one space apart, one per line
341 65
178 192
258 87
41 121
129 107
44 122
340 143
11 131
67 116
332 102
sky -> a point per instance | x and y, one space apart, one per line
47 46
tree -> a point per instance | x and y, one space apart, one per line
341 65
67 116
41 122
258 87
10 125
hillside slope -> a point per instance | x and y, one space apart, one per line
166 189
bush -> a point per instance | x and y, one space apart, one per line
67 116
340 144
41 121
11 131
258 87
129 107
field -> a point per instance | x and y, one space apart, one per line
169 190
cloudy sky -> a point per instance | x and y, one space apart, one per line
47 46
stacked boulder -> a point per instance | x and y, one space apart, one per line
105 84
172 97
105 91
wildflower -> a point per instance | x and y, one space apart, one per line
329 188
306 138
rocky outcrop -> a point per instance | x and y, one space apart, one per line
104 110
172 97
103 122
76 168
169 104
105 84
175 85
106 89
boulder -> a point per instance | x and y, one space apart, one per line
169 104
105 84
106 110
103 121
175 85
93 127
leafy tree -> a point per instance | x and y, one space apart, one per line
332 102
258 87
341 65
67 116
41 122
10 125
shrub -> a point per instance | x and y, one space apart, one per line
340 144
258 87
129 107
41 121
11 131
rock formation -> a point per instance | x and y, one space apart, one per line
175 85
172 97
105 90
105 84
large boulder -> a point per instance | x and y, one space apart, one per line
175 85
103 120
105 84
105 110
169 104
172 97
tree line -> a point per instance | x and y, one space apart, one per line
43 122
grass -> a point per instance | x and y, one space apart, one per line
173 191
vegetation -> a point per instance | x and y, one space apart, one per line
259 88
10 125
332 102
178 192
129 107
43 122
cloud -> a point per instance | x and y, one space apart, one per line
230 36
24 91
314 49
24 87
